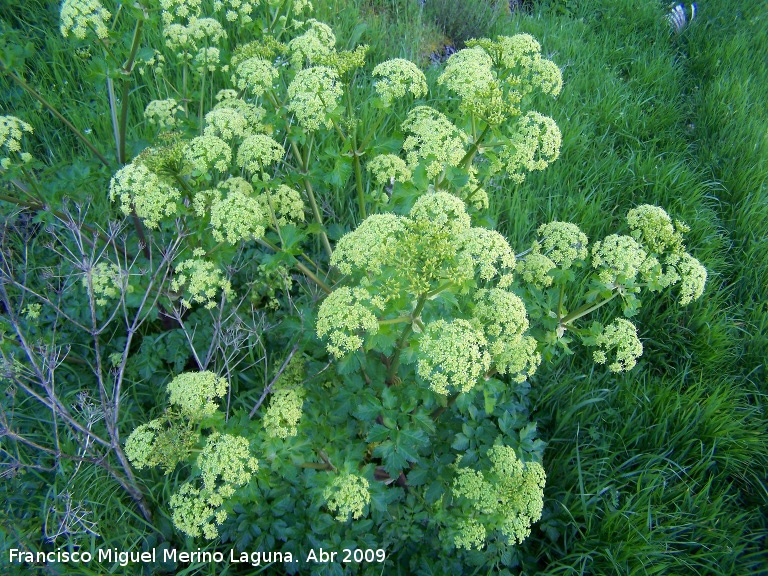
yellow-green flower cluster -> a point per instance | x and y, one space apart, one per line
206 30
207 152
201 281
160 442
347 495
182 9
619 258
453 356
313 94
78 17
371 245
563 243
32 311
226 123
284 412
206 59
344 61
155 63
534 145
141 190
342 316
227 460
257 153
195 393
194 511
470 534
469 73
285 203
396 77
621 336
235 213
162 113
179 37
534 269
521 53
256 75
310 47
442 211
107 281
225 465
653 228
432 137
388 168
694 278
508 497
11 132
228 100
234 9
504 320
489 251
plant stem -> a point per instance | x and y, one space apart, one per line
584 310
312 201
394 364
127 70
303 268
470 155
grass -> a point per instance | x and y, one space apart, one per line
663 470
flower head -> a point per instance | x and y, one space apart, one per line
489 252
201 281
397 77
432 137
206 152
314 93
621 336
388 168
255 75
257 152
226 123
285 202
694 278
226 459
160 443
654 229
78 17
206 59
342 316
534 145
141 190
11 132
469 73
195 393
316 42
372 245
193 511
619 258
347 495
452 356
470 534
284 412
563 243
534 269
162 113
234 9
106 280
236 214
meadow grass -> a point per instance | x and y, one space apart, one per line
662 470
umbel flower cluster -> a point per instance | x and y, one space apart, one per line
503 500
224 463
407 270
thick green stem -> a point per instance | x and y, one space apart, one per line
584 310
399 320
394 363
37 96
470 155
359 184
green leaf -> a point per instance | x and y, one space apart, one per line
460 442
377 434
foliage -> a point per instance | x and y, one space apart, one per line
302 257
